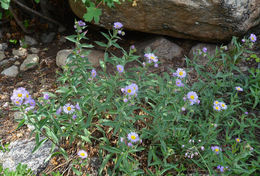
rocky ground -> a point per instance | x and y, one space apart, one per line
30 61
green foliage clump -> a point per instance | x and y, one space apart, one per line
201 119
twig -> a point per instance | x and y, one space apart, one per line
59 166
19 22
37 13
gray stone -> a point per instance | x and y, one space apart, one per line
21 152
3 63
61 57
34 50
48 38
94 57
20 52
17 63
29 41
204 20
3 46
18 115
164 49
30 62
11 71
202 58
2 55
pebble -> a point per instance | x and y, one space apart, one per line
2 55
3 46
11 71
30 62
34 50
30 41
20 52
48 38
17 63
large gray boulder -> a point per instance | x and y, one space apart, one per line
21 152
205 20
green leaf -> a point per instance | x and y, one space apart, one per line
39 145
5 4
92 13
101 44
37 1
104 163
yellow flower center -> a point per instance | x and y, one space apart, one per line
20 95
252 38
216 102
133 137
129 90
68 108
119 68
216 149
181 73
82 154
223 105
17 102
217 108
238 140
27 96
152 57
192 97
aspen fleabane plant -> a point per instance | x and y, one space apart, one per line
142 122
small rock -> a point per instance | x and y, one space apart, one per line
202 58
62 40
17 63
11 59
30 62
48 38
30 127
164 48
11 71
3 46
35 50
61 29
30 41
20 52
93 57
2 55
18 115
6 104
3 63
61 57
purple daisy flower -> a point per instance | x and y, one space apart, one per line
253 37
181 73
133 137
46 96
120 68
82 154
204 50
129 90
81 23
77 106
118 25
220 168
68 108
179 83
93 73
58 111
193 97
240 89
216 149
